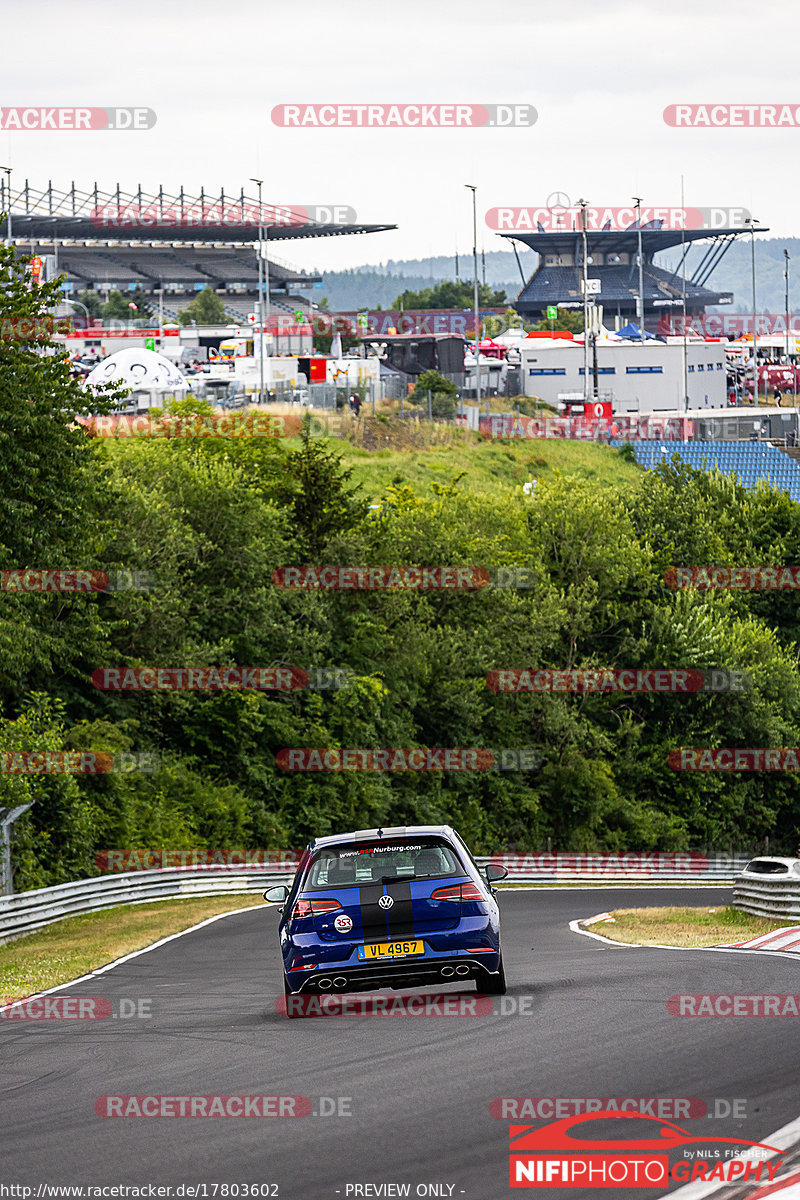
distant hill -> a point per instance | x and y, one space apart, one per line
371 286
734 274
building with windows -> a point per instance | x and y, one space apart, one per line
639 377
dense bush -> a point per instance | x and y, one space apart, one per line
213 520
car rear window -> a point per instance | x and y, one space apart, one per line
356 864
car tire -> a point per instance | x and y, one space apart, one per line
495 985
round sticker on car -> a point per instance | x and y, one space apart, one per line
343 923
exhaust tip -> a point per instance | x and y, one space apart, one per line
462 970
340 981
448 971
324 983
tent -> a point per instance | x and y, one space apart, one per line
633 331
605 335
137 368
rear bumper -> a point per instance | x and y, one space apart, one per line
421 972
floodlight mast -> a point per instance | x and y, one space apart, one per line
752 222
786 256
583 204
640 298
259 182
474 191
8 171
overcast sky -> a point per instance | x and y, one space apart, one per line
598 73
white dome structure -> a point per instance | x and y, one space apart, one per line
137 368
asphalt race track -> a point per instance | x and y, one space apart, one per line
596 1024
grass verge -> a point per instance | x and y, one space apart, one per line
685 926
77 945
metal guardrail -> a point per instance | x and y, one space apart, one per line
28 911
626 867
769 887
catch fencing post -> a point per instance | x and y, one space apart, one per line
6 878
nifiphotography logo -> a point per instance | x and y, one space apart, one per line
553 1156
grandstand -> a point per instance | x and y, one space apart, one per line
751 462
174 244
612 258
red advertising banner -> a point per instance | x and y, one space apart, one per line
97 331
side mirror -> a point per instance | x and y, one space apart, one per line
494 873
277 894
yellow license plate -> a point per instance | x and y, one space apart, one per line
377 950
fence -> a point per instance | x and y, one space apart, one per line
27 911
769 887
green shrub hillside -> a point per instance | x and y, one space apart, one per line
211 521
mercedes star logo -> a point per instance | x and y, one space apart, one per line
386 902
558 200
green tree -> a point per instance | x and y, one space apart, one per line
116 307
323 342
206 309
91 301
450 295
315 489
444 393
52 493
509 320
570 319
144 309
53 840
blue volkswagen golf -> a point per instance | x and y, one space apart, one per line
397 908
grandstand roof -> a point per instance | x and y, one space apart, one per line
560 285
619 287
74 215
614 241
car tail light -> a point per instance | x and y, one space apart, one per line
459 892
312 908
